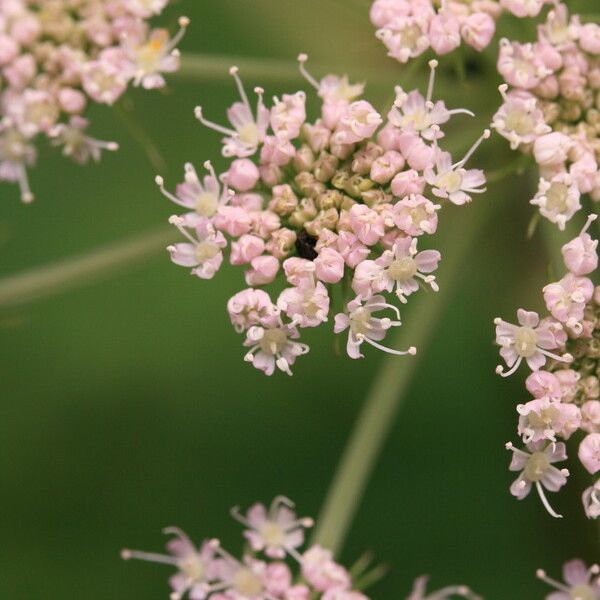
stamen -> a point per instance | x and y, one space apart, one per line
127 554
26 195
198 114
432 66
484 136
566 358
183 25
237 515
515 366
177 221
233 71
160 183
591 218
302 58
541 574
412 350
545 502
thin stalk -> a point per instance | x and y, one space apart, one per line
55 278
271 70
388 390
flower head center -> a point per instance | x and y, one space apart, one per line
247 583
359 321
525 342
248 133
519 121
193 568
536 467
272 534
206 204
582 592
403 268
450 181
206 250
556 197
273 341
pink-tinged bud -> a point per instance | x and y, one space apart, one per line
551 149
542 384
233 220
444 33
246 248
329 265
9 49
548 88
389 138
317 136
418 154
351 249
590 416
264 270
386 166
549 55
71 101
281 243
264 222
276 151
478 30
407 182
270 175
332 112
367 224
523 8
359 122
242 175
384 11
298 270
580 254
568 379
25 30
250 202
21 71
589 38
589 452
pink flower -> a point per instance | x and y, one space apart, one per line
251 307
367 224
529 340
264 270
298 270
277 531
416 215
407 183
233 220
246 248
196 566
477 29
288 115
551 149
417 153
403 267
520 65
273 346
444 33
352 250
359 122
364 327
307 304
242 175
589 452
203 252
580 582
580 254
558 199
542 384
322 572
386 166
329 265
248 130
591 501
544 419
537 468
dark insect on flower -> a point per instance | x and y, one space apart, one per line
305 246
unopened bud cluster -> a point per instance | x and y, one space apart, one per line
410 27
563 352
551 110
274 538
347 200
57 57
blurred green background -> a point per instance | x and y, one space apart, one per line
126 405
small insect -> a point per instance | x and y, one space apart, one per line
305 245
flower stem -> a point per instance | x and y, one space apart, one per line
388 390
55 278
216 67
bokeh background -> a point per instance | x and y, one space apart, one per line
126 405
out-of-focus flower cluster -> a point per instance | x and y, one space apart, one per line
57 56
551 110
580 582
274 538
410 27
346 201
563 352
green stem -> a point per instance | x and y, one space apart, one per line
55 278
388 390
216 67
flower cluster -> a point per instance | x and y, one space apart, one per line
551 110
347 199
580 582
274 537
563 352
410 27
57 56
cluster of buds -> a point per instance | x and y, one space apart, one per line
580 582
563 352
551 110
346 201
410 27
274 537
57 56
